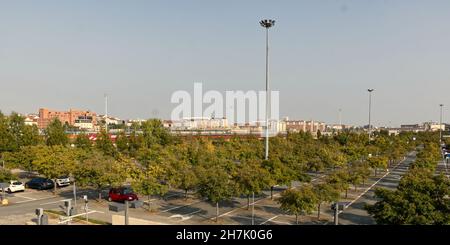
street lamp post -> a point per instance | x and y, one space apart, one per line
370 90
267 24
440 124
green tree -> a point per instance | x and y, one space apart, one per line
82 141
54 161
297 202
420 199
378 162
100 171
339 180
251 178
325 193
55 133
6 175
217 185
105 145
151 183
186 177
279 173
122 143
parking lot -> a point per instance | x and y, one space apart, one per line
175 209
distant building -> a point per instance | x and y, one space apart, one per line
31 119
66 117
111 120
432 126
85 123
305 126
411 128
337 127
200 123
130 122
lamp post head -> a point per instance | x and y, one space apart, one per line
267 23
370 90
441 105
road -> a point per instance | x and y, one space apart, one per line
355 214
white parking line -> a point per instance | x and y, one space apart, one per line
191 213
281 222
38 199
155 199
177 207
274 217
29 198
47 203
370 187
259 200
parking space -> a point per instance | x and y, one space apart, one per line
28 195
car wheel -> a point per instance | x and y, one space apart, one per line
8 190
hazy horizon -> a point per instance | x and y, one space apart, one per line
324 55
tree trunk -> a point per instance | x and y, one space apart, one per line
346 192
217 211
318 211
296 219
271 193
149 203
54 187
355 187
185 193
248 202
99 194
375 172
364 182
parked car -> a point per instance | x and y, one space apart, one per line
62 181
15 186
122 194
40 184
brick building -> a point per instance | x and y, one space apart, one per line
69 117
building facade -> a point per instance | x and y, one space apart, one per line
66 117
305 126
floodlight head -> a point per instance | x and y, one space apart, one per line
370 90
267 23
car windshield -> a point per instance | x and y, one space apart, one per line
63 177
127 191
17 183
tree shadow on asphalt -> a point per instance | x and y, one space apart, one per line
356 219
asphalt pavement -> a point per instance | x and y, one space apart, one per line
355 214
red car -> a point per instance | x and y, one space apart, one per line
122 194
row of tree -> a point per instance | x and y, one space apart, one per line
422 196
154 161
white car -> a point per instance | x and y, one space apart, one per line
15 186
62 181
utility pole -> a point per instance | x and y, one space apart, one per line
127 204
440 125
74 193
106 113
267 24
370 90
253 208
336 214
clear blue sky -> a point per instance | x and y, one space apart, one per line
324 55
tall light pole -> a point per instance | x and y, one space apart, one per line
106 113
440 125
370 90
267 24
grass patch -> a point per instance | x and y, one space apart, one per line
56 214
